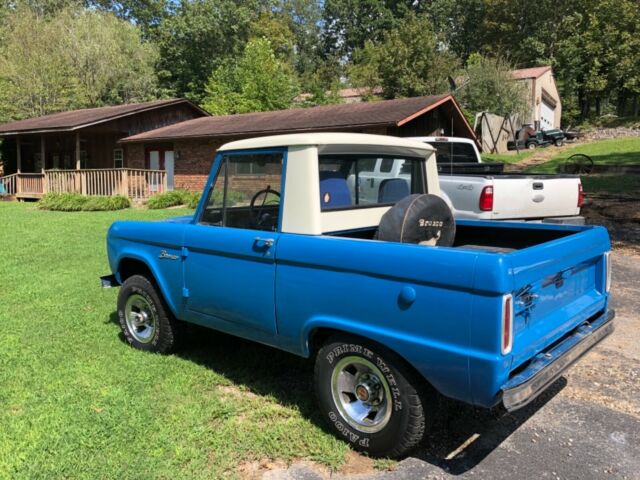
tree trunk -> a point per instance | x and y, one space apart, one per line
598 107
636 105
622 100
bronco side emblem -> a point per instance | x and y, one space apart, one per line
164 254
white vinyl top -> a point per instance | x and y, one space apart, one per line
329 138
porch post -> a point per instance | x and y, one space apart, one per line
18 156
42 153
43 163
78 151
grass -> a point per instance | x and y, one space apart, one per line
611 183
507 157
617 151
78 402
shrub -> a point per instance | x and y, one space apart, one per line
173 199
74 202
166 200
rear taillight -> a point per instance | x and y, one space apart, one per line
507 323
607 269
580 195
486 199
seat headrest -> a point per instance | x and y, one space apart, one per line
393 190
334 190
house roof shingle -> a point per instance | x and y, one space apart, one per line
534 72
353 115
75 119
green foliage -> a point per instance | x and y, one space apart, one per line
105 410
490 88
256 82
197 39
173 199
77 59
407 62
73 202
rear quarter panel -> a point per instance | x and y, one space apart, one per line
357 286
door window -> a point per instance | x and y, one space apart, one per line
246 192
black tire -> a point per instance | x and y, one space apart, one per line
559 142
404 428
531 146
164 337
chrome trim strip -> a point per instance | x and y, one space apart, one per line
548 366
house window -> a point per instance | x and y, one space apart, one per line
118 158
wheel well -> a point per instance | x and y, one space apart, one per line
319 336
130 266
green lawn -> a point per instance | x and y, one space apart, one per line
78 402
617 151
507 157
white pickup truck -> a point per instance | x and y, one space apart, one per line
477 190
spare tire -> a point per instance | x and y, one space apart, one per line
421 219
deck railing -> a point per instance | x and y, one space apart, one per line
8 184
137 184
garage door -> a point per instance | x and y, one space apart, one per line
547 116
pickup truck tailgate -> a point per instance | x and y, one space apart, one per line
562 288
535 196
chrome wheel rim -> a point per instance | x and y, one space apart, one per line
361 393
140 318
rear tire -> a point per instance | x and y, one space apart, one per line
369 397
145 320
531 146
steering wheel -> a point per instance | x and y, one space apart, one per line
259 219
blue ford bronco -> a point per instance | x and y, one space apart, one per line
394 300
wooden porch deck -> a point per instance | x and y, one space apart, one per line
136 184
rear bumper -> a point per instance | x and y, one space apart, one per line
548 366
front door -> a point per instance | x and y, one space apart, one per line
230 253
160 158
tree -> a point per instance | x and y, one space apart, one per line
256 82
196 39
490 88
408 62
146 14
78 59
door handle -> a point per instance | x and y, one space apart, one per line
264 242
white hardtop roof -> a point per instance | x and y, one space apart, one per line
320 139
443 138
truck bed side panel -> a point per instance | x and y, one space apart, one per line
362 287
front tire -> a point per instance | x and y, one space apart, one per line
145 320
531 146
369 397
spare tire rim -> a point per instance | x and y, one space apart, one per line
361 393
140 318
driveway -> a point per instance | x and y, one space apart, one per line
586 426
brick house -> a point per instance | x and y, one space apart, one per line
193 143
78 150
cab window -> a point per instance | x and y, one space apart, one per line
246 192
348 181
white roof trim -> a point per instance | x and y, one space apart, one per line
333 138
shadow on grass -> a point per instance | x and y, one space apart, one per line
289 379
